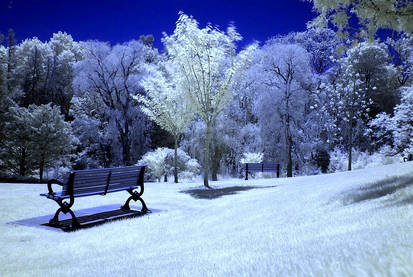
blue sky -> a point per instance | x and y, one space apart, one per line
120 21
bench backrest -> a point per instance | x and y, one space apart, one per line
262 166
126 177
102 180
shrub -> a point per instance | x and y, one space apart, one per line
160 163
339 159
251 157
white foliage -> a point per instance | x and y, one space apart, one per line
165 101
338 159
156 161
207 63
250 157
397 129
371 15
208 66
160 163
106 81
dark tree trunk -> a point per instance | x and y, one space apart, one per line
215 158
350 135
41 169
22 166
126 146
290 160
206 155
288 133
350 142
176 160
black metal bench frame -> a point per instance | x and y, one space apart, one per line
70 186
261 167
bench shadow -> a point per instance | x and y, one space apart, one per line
89 217
216 193
380 189
93 220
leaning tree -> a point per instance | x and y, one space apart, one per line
208 65
166 103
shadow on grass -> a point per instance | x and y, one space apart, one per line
216 193
89 221
380 189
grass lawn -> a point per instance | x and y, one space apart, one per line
356 223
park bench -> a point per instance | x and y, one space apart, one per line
262 167
82 183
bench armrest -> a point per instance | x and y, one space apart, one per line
49 185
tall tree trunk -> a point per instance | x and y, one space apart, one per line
215 155
350 133
126 145
288 131
290 160
350 141
41 168
176 160
22 166
206 155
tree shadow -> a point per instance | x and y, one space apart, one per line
380 189
216 193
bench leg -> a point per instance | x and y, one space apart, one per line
135 196
65 208
55 220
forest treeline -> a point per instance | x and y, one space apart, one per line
310 101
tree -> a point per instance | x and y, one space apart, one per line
11 59
348 101
207 63
397 130
281 70
52 138
63 53
403 123
403 48
322 44
37 137
105 82
45 70
166 103
4 96
16 155
371 14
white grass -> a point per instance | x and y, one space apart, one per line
305 226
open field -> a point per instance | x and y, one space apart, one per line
345 224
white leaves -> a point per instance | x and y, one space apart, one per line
166 101
251 157
206 63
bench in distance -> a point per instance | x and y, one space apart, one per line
262 167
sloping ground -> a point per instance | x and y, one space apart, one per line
346 224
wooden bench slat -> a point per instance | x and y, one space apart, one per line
125 186
91 177
97 190
131 181
127 168
83 183
121 188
